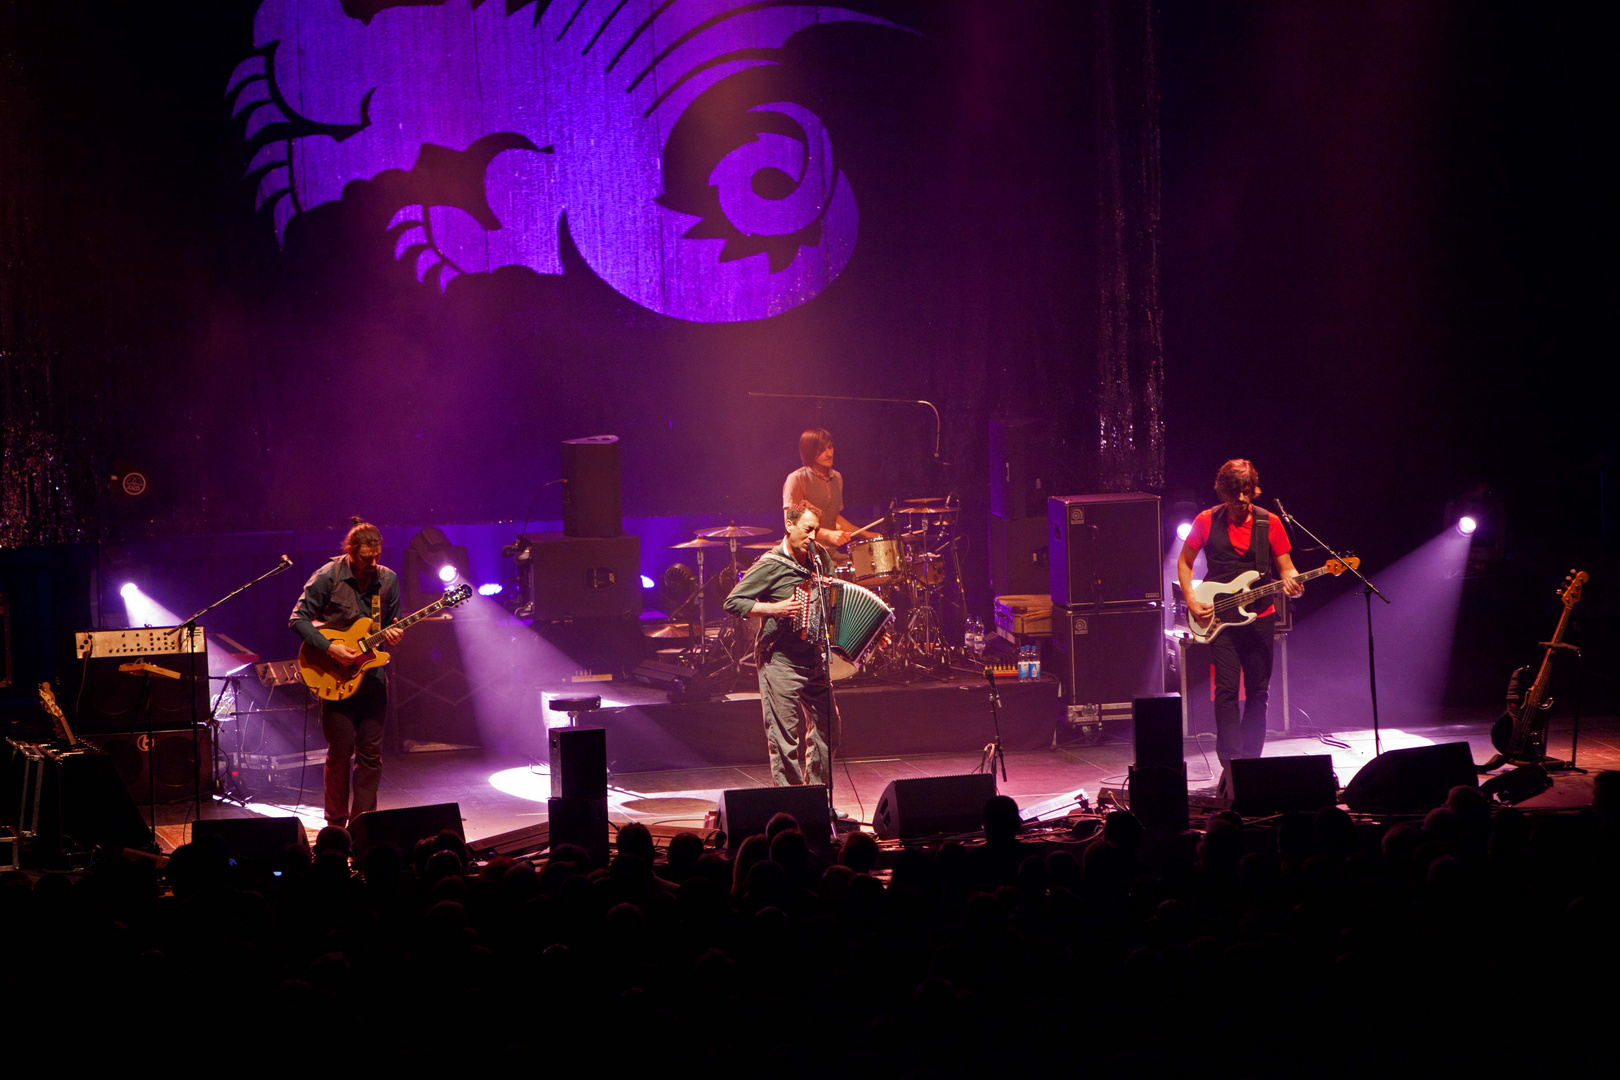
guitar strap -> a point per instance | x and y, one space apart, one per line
376 607
1260 541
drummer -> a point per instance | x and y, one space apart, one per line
822 486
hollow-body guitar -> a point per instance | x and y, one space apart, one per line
1232 599
332 681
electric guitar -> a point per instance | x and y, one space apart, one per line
47 701
1521 735
332 681
1231 599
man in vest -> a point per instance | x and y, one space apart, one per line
1231 543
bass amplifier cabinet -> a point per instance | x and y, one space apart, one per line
111 700
1108 659
1105 549
578 577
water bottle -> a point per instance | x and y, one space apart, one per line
1034 661
978 637
967 635
1023 662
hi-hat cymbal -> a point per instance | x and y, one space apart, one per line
733 532
699 544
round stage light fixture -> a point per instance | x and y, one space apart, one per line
447 573
1466 525
130 590
1184 529
491 589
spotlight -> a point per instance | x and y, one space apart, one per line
1183 529
646 582
447 573
491 589
130 591
1466 525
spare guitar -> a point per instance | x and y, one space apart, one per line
332 681
1520 734
47 700
1232 599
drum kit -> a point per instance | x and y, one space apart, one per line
908 569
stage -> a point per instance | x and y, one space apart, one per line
499 795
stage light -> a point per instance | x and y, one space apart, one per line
1466 525
130 590
646 582
447 573
1183 530
491 589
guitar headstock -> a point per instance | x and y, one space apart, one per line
1571 592
460 594
1339 566
48 700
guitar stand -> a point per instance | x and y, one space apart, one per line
1544 762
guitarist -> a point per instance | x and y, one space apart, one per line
352 586
1232 544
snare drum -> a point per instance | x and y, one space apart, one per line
877 562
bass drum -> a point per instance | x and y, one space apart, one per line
877 562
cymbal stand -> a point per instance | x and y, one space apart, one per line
703 622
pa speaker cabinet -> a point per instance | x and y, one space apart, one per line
256 840
1109 659
591 489
578 762
1412 780
1277 785
404 826
569 577
1020 469
1105 549
582 821
745 812
930 805
168 763
1156 727
1020 560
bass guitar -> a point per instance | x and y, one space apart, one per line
332 681
1231 599
1520 734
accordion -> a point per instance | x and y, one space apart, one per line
857 616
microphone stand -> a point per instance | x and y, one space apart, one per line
191 630
833 725
993 754
1368 591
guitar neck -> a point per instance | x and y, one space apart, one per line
1277 586
371 641
1538 689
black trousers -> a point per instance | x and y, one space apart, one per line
354 734
1245 651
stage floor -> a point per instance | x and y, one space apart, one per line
502 795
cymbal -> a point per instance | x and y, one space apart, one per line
926 511
763 545
699 544
940 500
731 532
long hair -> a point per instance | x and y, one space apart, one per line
812 443
362 533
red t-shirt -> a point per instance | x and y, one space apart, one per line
1240 535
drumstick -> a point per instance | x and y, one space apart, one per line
863 528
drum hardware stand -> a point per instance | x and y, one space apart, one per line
993 753
833 725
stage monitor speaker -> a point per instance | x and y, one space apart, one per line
567 577
255 840
1277 785
930 805
1411 780
81 804
1109 659
578 762
1156 727
1020 558
582 821
177 767
745 812
1105 549
403 827
592 505
1020 469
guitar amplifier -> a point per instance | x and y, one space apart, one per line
1105 660
1105 550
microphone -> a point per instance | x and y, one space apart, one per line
286 560
990 675
1283 513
